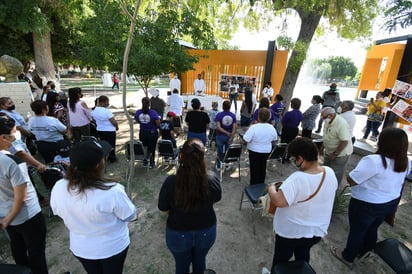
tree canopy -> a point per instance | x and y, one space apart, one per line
398 14
334 68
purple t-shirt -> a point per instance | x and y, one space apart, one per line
292 118
226 119
255 116
277 109
147 121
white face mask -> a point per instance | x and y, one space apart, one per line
339 110
326 120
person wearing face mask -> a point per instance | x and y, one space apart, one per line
330 98
337 146
345 111
20 212
310 115
8 107
304 204
372 123
106 124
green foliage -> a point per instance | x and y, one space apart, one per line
342 67
299 52
398 14
285 42
334 67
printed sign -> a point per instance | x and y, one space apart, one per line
227 80
402 89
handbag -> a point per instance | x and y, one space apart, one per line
269 208
376 116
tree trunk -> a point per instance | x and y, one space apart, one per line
43 57
310 21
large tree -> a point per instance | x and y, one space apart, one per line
155 48
37 19
351 19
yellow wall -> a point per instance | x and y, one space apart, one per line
371 78
214 63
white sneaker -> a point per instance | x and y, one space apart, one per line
363 140
265 270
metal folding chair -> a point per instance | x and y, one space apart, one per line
253 193
140 152
231 156
166 152
277 154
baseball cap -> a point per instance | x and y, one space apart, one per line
171 114
153 92
85 155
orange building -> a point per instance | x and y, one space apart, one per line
217 65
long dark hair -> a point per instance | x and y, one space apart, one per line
51 100
82 179
74 97
393 144
6 123
191 179
145 105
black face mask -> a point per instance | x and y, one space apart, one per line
12 107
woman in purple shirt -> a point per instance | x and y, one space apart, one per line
264 103
291 121
226 129
149 122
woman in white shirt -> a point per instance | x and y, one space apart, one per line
259 138
106 125
48 130
95 211
376 184
304 204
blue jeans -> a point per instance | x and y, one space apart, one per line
190 247
222 142
112 265
233 99
364 221
201 136
372 125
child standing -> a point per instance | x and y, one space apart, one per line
212 128
167 129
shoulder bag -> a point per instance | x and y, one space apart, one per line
269 208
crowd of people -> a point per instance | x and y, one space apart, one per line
304 200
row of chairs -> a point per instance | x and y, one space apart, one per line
165 150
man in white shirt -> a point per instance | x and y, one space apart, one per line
175 83
346 112
268 91
176 105
199 86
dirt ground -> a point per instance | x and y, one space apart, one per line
245 239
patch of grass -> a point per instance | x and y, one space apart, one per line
340 205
